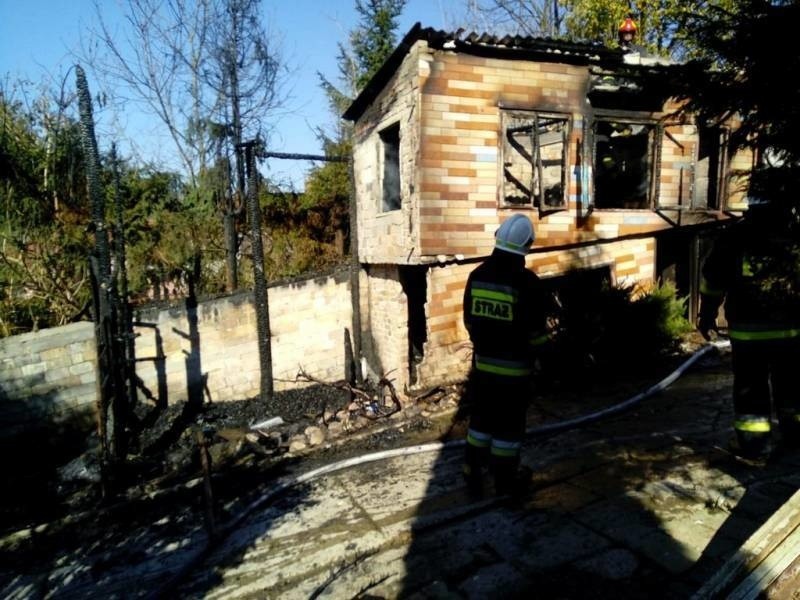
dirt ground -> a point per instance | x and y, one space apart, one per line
55 501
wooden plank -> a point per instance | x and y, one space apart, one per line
780 526
769 570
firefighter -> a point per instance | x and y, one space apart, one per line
754 267
627 33
505 314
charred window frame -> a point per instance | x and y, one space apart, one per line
390 172
535 159
624 158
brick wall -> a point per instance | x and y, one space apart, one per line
450 108
47 376
50 375
447 358
460 175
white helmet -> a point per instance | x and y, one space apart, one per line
515 235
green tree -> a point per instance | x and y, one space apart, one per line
374 38
166 228
748 77
749 68
43 215
661 23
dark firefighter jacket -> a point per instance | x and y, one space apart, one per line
755 268
505 312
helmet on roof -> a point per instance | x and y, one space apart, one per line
515 235
628 26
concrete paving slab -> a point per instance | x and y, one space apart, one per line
496 577
556 543
561 498
614 564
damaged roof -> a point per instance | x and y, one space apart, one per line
514 47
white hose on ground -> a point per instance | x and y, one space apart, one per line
285 483
622 406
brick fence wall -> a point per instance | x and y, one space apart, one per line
50 376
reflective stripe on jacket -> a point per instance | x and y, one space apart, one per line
505 312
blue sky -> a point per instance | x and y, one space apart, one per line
36 37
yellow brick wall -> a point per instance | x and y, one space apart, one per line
389 237
307 322
447 358
49 377
460 176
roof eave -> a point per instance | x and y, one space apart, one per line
511 48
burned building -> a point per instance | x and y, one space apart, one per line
454 134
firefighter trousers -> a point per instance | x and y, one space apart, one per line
496 427
765 378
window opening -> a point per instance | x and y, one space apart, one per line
390 140
535 159
623 161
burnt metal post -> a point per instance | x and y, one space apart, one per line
259 275
355 273
230 213
355 265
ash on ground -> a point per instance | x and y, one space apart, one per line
247 440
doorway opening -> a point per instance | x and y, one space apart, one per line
414 279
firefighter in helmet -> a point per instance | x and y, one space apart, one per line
627 33
505 313
754 267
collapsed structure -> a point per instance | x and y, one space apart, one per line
452 135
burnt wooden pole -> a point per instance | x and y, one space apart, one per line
110 386
203 439
259 275
125 339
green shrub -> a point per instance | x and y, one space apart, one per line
617 326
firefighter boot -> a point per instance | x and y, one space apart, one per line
753 446
475 461
509 478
